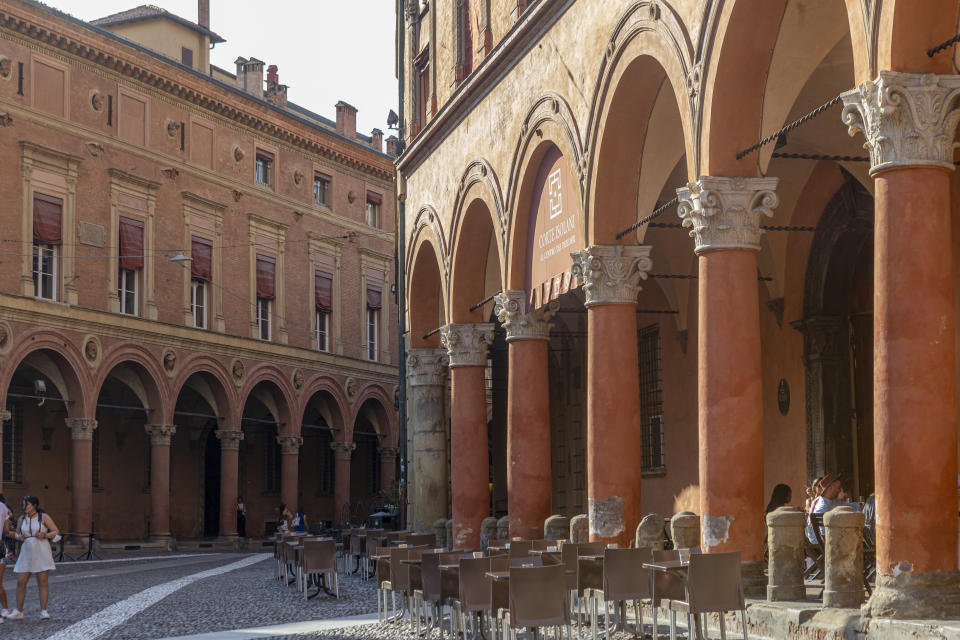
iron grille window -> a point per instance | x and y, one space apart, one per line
96 459
272 465
651 397
13 446
325 476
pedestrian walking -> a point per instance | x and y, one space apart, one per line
241 518
35 529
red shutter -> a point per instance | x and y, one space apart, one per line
201 259
131 244
323 285
374 198
266 270
373 297
47 215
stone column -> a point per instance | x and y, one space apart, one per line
342 452
81 464
786 557
388 467
724 214
529 478
910 122
290 470
610 276
470 464
843 560
229 479
160 436
427 375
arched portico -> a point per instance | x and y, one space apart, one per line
324 423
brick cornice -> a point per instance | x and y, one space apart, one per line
69 39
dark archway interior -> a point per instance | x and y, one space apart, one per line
195 456
364 465
316 476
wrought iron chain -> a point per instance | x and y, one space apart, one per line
817 156
943 45
642 221
681 276
793 125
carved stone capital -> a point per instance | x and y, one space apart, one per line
427 367
467 343
290 445
389 453
81 428
908 119
520 324
160 434
343 450
229 439
724 213
611 273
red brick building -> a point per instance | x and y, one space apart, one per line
195 284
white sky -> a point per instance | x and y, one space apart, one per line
326 50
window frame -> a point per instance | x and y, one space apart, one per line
323 336
124 277
372 334
374 207
53 275
268 160
199 286
322 178
650 390
11 448
263 319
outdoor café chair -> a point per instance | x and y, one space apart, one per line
624 580
319 560
475 593
538 599
429 600
713 586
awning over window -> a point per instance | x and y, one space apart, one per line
131 244
266 270
47 216
323 284
374 198
201 259
373 297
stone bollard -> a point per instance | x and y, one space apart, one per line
440 532
579 529
786 556
488 531
449 534
650 532
685 530
556 527
843 583
503 528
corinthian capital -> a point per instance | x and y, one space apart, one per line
611 273
81 428
229 438
467 343
427 367
160 434
908 119
343 450
724 213
520 324
289 444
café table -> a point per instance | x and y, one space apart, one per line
676 568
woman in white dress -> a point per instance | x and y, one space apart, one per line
35 528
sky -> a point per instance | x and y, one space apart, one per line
326 50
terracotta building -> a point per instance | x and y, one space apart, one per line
195 284
634 300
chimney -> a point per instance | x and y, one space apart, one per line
392 146
377 142
203 14
276 92
241 63
254 77
346 120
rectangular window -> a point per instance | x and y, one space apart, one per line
47 236
45 270
323 331
96 459
421 74
266 292
198 303
131 264
13 446
651 398
323 295
263 318
321 189
264 167
186 56
127 291
201 270
373 210
374 303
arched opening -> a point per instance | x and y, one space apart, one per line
321 420
426 298
265 416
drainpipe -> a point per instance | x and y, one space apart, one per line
399 268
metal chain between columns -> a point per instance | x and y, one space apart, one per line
793 125
943 45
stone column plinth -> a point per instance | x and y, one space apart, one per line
488 530
650 532
556 527
427 376
342 453
724 215
910 122
160 437
580 528
786 557
685 530
529 477
388 468
229 479
610 276
843 582
470 469
81 466
503 528
290 470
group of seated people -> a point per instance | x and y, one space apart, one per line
824 493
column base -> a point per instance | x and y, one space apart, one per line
753 577
915 595
168 540
786 592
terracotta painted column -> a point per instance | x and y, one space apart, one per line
229 479
81 465
290 470
160 437
725 216
388 468
529 477
342 452
467 345
428 493
610 276
910 123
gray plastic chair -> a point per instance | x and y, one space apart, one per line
713 586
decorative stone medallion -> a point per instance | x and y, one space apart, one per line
6 337
6 67
297 177
170 362
298 380
92 350
238 154
96 101
239 371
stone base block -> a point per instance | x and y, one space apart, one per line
915 595
753 576
786 592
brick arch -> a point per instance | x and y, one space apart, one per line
323 383
224 390
149 372
477 226
69 361
375 391
427 275
479 182
266 372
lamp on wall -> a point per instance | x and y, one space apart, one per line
179 257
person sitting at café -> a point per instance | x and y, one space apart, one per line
828 499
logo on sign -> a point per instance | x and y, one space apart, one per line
555 194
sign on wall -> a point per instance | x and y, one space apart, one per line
554 230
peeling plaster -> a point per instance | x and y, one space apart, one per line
606 516
902 567
715 530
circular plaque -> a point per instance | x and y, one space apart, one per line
783 396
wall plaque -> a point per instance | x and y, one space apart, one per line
92 234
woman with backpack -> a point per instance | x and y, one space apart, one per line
35 529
